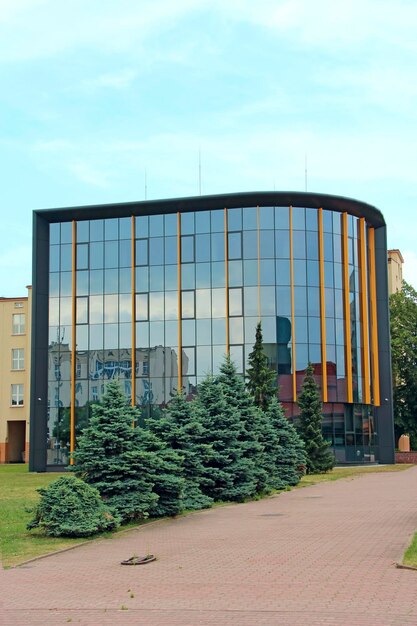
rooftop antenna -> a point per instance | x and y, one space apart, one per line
199 171
305 172
146 185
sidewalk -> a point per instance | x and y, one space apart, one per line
323 555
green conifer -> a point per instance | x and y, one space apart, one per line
181 430
227 474
319 458
251 428
261 379
286 447
132 470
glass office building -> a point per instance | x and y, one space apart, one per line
156 293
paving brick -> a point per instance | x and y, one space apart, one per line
323 555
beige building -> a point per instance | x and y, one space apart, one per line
15 324
395 271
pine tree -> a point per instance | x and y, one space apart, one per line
252 426
181 430
129 466
261 379
319 457
226 475
286 447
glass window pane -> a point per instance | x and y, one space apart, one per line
266 244
82 256
142 226
156 225
250 244
142 278
235 245
82 310
300 300
267 272
96 230
203 303
298 218
301 330
125 280
188 276
96 255
236 330
156 250
96 282
312 245
234 219
282 244
300 275
283 300
202 248
142 335
218 303
125 307
66 232
236 355
188 304
66 283
111 254
219 331
282 221
111 309
111 229
266 217
267 295
217 221
156 278
203 360
218 274
171 256
111 281
312 219
187 249
202 275
170 224
235 273
156 306
313 301
125 228
125 253
96 309
235 302
156 334
314 331
251 301
66 258
299 244
54 234
54 258
187 223
54 284
142 306
203 332
269 330
188 361
250 218
188 332
202 222
171 305
327 221
217 247
171 277
283 276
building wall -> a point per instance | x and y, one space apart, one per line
14 418
156 297
395 271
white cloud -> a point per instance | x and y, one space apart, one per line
113 80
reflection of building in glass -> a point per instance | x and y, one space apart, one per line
156 293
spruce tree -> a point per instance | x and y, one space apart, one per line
251 429
181 430
129 466
319 458
226 473
286 447
261 379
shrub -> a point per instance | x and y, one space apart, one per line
70 508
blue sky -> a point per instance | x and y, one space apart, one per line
95 93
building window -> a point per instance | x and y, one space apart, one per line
18 359
17 395
19 324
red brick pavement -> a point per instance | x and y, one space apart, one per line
323 555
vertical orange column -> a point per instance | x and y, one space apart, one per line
322 308
179 302
133 286
294 356
373 316
226 276
73 346
364 312
346 308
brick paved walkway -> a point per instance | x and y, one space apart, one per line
323 555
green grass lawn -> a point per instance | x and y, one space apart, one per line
410 556
18 493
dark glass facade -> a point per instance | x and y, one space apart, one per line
155 297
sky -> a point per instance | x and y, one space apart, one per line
94 94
